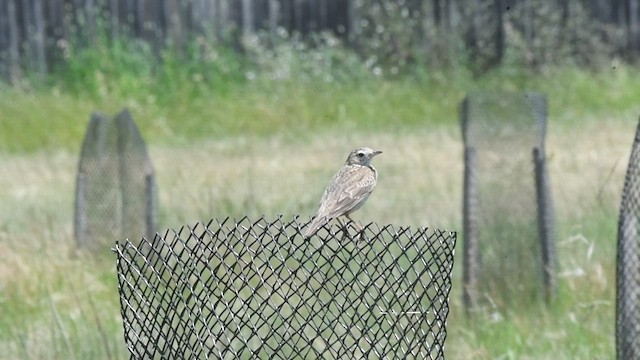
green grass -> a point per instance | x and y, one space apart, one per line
269 147
177 114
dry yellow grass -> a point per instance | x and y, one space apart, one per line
420 184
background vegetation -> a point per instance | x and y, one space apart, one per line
261 131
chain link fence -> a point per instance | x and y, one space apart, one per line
628 261
115 186
258 290
509 255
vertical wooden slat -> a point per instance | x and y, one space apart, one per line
287 15
4 25
499 35
164 16
235 18
129 14
475 30
28 30
159 17
353 27
119 7
449 14
115 22
90 16
297 16
617 11
33 28
528 26
247 17
217 19
338 17
184 18
54 33
175 23
204 16
260 14
208 10
78 19
54 19
65 24
14 42
198 15
634 27
4 42
139 18
38 38
311 20
226 15
323 9
437 12
274 10
417 17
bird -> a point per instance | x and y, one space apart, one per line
348 190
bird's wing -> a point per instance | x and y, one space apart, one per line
346 191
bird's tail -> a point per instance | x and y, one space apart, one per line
313 227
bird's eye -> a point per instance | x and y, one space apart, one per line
360 154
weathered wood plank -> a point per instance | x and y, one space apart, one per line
13 57
39 38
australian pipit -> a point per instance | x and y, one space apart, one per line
348 189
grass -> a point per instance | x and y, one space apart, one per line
56 116
268 148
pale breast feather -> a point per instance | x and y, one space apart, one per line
347 190
358 187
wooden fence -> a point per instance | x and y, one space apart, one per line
35 33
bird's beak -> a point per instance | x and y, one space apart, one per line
377 152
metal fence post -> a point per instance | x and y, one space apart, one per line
80 216
471 255
545 223
122 178
470 250
151 205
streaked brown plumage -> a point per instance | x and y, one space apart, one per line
348 189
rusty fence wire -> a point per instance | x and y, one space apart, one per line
628 261
256 290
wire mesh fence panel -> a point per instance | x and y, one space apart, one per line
115 185
258 290
508 218
628 261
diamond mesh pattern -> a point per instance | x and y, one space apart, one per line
628 261
258 290
509 230
115 186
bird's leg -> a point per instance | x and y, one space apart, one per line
358 227
355 224
343 226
